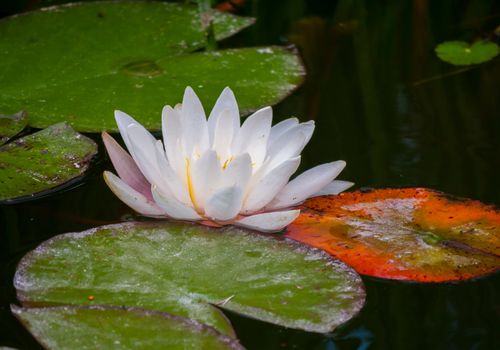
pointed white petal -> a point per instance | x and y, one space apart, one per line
269 222
306 184
205 175
194 124
238 172
226 101
125 166
223 135
123 120
334 187
131 197
171 127
269 185
253 135
173 207
224 204
280 128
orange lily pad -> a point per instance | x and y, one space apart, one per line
406 234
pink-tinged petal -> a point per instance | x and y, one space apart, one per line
131 197
125 166
334 187
280 128
205 174
306 184
253 135
194 124
266 188
173 207
224 204
269 222
225 102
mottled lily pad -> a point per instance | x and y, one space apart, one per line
461 53
43 160
184 269
407 234
11 125
80 62
107 327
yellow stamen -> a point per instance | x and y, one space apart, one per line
226 163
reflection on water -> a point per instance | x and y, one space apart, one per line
383 102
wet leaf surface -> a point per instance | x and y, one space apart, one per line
184 269
105 327
11 125
408 234
66 63
43 160
461 53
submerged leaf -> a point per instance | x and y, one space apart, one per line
11 125
107 327
43 160
184 269
461 53
73 67
408 234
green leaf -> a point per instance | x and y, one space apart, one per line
11 125
461 53
43 160
105 327
183 269
80 62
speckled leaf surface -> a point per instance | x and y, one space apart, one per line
11 125
106 327
43 160
182 269
80 62
407 234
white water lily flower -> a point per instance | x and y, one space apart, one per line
216 171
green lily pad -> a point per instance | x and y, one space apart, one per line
80 62
11 125
461 53
105 327
183 269
43 160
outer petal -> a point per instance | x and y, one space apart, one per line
226 101
282 127
173 207
265 189
123 120
131 197
224 204
253 135
334 187
143 150
306 184
194 124
269 222
125 167
171 127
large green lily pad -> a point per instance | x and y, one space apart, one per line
80 62
43 160
183 269
105 327
461 53
11 125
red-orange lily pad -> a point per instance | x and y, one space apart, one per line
406 234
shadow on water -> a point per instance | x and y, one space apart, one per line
383 102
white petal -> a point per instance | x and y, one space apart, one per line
205 174
224 204
123 120
131 197
269 222
143 150
238 172
125 167
223 135
253 135
171 127
173 207
280 128
334 187
262 192
194 124
226 101
306 184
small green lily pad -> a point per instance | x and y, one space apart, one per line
43 160
184 269
80 62
461 53
11 125
107 327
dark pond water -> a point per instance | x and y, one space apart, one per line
384 103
